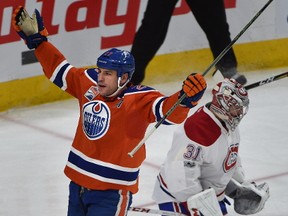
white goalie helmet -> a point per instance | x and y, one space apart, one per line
230 102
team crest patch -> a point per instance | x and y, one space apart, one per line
231 158
91 93
95 119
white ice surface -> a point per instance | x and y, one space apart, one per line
35 141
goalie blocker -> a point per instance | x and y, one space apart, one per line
248 197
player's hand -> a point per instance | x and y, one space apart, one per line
194 87
30 29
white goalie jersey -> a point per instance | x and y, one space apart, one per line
204 154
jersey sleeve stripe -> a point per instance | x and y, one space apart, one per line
59 75
55 72
158 104
64 87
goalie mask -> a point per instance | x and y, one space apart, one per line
230 102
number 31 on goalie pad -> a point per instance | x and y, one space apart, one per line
205 202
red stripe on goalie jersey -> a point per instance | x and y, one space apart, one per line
196 128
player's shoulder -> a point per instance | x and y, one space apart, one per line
91 74
202 128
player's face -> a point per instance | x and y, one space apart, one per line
107 81
236 111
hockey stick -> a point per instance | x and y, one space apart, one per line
155 211
220 56
216 60
266 81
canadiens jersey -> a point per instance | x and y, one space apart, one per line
203 155
108 129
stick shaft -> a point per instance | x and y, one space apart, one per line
220 56
131 154
266 81
155 211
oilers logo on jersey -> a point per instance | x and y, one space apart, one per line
95 119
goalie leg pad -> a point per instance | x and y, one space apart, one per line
205 202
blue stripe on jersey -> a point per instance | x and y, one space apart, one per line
59 77
158 113
100 170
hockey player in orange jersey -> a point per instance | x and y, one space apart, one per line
114 116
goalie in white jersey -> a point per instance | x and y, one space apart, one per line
203 164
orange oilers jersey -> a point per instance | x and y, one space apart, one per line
107 129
